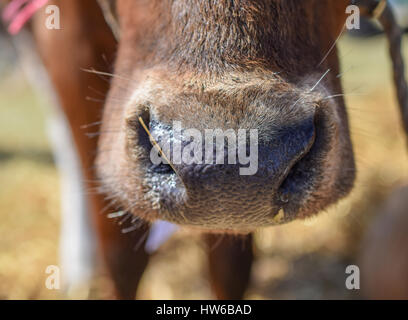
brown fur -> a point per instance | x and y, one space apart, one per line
85 42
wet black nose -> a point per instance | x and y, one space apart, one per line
240 168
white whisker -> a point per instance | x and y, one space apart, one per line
334 45
320 80
107 74
116 214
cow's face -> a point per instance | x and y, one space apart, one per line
264 67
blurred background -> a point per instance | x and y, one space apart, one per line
304 259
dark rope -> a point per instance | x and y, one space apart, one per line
385 16
394 35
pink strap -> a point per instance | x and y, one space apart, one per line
12 9
18 12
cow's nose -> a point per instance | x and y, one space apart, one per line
239 170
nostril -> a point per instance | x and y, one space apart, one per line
298 138
149 142
161 168
143 138
292 143
301 173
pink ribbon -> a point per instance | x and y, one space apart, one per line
18 12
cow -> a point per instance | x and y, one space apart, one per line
265 65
